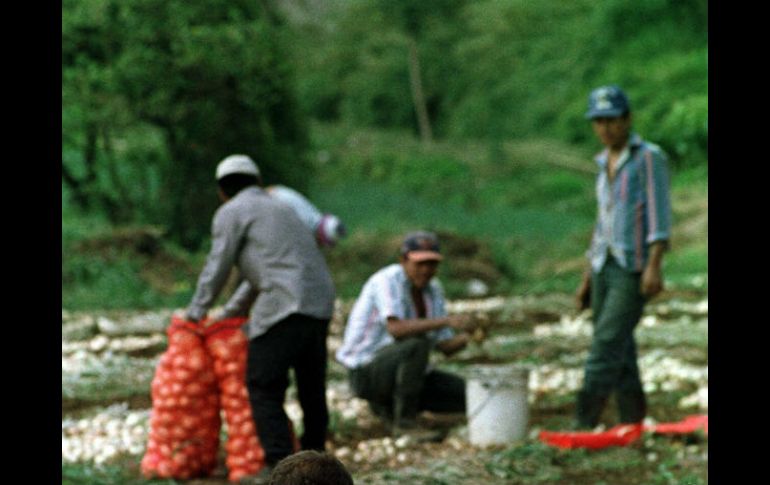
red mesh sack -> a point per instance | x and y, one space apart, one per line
185 422
227 345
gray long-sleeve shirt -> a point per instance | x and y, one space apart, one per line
283 270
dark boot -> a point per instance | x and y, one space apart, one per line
382 411
632 406
405 411
589 409
406 425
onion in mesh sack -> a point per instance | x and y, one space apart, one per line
228 346
184 422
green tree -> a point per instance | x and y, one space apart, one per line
93 112
509 69
210 78
378 63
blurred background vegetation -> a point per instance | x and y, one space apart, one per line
464 117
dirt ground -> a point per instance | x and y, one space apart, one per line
673 346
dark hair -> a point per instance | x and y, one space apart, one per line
235 182
310 467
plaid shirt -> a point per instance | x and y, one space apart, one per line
386 294
634 208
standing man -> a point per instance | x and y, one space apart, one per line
291 297
397 319
631 234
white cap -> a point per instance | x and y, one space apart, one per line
237 164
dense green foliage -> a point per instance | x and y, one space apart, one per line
321 94
502 69
156 92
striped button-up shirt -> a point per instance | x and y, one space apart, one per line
386 294
634 208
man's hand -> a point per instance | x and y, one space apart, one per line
652 281
463 322
583 292
214 316
180 314
454 344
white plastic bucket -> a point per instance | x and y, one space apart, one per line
496 403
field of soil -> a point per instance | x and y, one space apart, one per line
109 358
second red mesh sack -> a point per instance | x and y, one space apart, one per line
227 345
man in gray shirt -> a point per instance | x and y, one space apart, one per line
288 288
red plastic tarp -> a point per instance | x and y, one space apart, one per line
690 424
621 435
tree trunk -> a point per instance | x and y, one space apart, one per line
417 94
82 188
79 193
118 202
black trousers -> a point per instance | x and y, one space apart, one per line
297 342
397 387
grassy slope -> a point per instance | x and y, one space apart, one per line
532 202
529 205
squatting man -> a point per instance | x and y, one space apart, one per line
398 318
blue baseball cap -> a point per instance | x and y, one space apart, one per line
421 246
607 102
